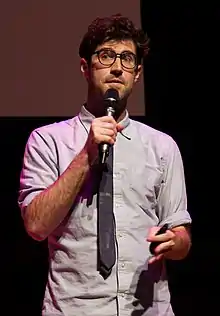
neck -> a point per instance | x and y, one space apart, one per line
95 107
120 118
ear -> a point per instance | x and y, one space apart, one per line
138 73
84 68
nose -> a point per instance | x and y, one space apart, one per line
116 68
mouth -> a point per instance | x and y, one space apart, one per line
115 81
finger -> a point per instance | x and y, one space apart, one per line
107 132
152 232
107 125
164 247
110 127
155 258
162 237
108 119
105 139
119 127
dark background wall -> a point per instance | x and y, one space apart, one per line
182 96
181 92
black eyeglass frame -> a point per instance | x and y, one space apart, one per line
97 52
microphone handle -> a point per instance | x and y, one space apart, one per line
104 147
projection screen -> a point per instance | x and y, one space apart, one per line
40 71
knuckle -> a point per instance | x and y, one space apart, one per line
111 133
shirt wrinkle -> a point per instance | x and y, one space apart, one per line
146 193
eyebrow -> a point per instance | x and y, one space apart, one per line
124 51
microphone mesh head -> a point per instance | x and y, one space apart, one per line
112 95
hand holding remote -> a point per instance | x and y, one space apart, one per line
154 244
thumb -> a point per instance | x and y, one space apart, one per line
119 128
152 232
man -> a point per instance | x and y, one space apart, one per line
58 199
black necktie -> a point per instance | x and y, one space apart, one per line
106 225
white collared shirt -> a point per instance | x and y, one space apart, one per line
149 190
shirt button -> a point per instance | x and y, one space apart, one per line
122 265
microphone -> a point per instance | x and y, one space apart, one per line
111 98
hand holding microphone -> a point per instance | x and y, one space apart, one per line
104 129
111 99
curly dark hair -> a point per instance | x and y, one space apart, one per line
115 27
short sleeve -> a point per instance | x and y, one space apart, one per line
172 199
39 168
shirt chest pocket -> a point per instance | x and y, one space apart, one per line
145 184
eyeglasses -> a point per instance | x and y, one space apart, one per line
107 57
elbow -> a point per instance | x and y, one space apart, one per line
34 230
36 234
33 226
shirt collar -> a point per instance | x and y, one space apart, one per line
86 118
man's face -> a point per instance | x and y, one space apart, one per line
101 77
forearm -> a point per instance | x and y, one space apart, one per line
182 243
49 208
